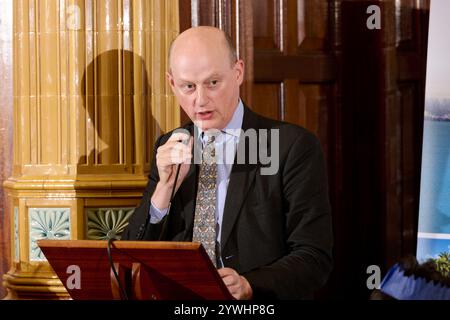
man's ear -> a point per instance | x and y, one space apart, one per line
169 78
240 67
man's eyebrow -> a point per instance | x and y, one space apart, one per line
184 81
214 75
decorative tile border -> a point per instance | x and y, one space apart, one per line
16 234
47 223
106 223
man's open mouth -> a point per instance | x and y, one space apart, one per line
204 115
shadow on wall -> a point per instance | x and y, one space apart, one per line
117 128
117 97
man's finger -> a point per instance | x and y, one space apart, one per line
235 291
225 271
179 136
231 280
173 145
178 149
174 159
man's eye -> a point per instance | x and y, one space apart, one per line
189 86
213 83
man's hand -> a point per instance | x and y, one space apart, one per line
168 156
238 286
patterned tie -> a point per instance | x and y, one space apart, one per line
205 208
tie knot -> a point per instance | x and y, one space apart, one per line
210 139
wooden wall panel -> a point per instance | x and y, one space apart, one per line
293 63
314 24
270 93
314 101
266 32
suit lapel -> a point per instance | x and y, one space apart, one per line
241 179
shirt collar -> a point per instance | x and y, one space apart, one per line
234 126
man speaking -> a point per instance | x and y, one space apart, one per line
266 226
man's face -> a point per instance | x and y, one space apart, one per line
206 85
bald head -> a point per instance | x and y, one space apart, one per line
202 38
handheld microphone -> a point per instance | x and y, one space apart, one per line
164 226
143 227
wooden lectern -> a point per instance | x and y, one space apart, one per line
147 270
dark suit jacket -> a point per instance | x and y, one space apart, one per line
276 229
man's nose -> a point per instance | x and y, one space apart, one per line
201 98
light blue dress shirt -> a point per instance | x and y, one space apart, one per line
226 145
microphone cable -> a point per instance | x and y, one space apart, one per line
123 293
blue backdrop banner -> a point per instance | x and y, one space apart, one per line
434 213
